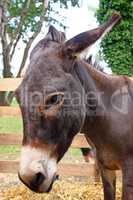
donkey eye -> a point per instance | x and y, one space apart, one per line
54 99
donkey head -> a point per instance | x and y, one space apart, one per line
51 99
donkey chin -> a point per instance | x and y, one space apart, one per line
37 170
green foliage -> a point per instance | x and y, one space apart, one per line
19 11
117 46
29 15
22 20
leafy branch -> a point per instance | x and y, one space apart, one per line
117 46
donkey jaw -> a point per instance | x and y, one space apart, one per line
37 170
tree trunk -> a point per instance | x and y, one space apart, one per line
5 53
3 99
10 97
8 47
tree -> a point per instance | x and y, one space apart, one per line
117 46
22 20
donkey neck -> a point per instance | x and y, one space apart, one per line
81 73
96 83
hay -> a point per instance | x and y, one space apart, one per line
62 190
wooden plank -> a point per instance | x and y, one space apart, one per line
9 111
10 139
83 169
15 139
8 166
80 141
9 84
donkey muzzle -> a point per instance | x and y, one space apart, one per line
38 171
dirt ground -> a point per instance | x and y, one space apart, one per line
69 188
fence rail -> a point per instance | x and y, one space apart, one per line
9 84
11 166
15 139
10 111
63 168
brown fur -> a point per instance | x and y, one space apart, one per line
110 129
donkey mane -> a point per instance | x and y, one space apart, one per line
101 79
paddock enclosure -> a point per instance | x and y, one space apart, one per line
78 177
8 84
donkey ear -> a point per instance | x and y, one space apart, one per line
55 35
84 40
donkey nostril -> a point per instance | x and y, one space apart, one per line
57 177
40 178
37 179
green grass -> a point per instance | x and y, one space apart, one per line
10 124
74 152
9 149
14 125
16 149
14 103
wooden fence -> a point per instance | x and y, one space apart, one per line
11 166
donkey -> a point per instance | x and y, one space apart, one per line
62 95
